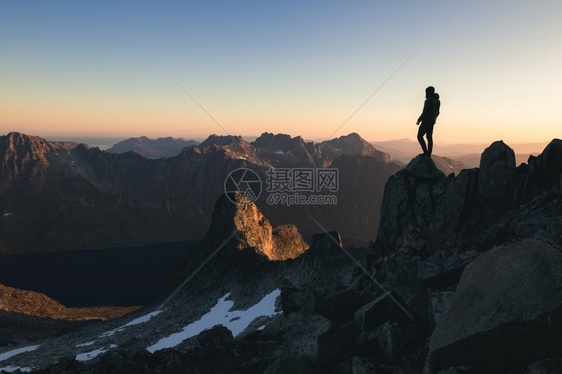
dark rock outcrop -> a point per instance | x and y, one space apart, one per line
411 201
507 310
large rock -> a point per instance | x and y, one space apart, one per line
253 230
497 171
410 202
545 170
507 311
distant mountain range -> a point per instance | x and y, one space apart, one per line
152 148
469 154
64 196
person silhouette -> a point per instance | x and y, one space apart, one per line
427 119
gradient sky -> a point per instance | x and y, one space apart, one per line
297 67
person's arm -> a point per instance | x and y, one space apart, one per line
424 111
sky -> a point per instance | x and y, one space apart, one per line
319 69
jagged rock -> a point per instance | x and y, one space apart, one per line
457 209
287 242
442 272
540 220
151 148
410 202
284 150
497 175
544 170
507 310
234 212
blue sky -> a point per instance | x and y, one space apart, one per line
301 68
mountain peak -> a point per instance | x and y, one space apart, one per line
221 140
277 142
149 148
352 144
23 142
422 166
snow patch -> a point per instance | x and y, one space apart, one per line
11 369
142 319
86 344
13 352
87 356
235 320
136 321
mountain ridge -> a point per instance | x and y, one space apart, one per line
464 272
119 194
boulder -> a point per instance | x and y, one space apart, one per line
497 175
507 311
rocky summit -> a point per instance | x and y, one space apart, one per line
464 276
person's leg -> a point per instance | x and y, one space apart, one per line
429 135
421 133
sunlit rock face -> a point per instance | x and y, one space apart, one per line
234 213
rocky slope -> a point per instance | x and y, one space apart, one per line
40 305
464 276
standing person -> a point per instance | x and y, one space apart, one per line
428 117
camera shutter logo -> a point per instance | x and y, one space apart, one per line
245 181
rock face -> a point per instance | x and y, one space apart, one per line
486 248
410 203
507 310
425 212
497 177
253 230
